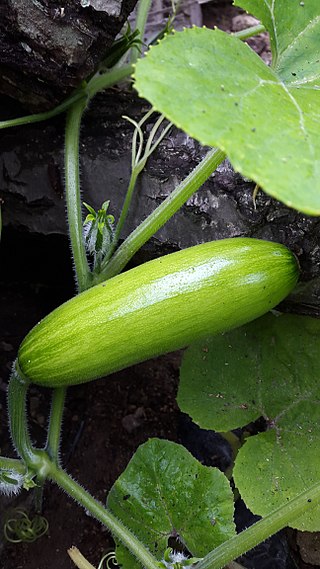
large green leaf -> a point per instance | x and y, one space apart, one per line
219 91
269 368
165 492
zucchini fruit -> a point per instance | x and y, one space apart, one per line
155 308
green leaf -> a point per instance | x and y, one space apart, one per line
269 368
165 492
294 28
219 91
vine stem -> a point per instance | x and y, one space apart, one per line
73 197
39 117
55 423
12 464
72 173
102 81
161 215
99 512
35 459
261 530
250 32
17 393
125 207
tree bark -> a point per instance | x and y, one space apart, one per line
47 48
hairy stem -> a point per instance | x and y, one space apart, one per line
12 464
73 197
161 214
34 459
55 423
100 513
17 395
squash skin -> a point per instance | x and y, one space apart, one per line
155 308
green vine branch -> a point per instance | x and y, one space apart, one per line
73 198
55 424
100 513
46 115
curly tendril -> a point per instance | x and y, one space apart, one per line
108 561
23 529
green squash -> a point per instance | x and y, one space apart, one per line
155 308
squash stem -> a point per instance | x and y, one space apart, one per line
36 460
161 215
17 395
73 197
99 512
55 424
262 530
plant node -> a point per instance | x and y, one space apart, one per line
177 560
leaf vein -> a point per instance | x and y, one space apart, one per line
301 123
273 19
313 23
